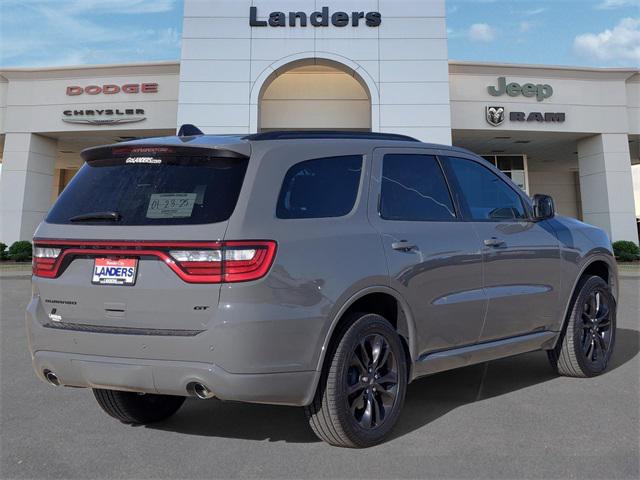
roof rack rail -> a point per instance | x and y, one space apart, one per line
188 130
328 134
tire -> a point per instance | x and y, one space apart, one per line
585 346
131 407
365 416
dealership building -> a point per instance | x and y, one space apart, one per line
367 65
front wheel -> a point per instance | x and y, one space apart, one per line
137 408
363 385
590 334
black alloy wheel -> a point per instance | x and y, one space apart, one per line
597 333
587 342
372 383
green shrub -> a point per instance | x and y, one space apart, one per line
626 251
3 252
20 251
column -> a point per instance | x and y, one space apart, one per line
26 184
606 185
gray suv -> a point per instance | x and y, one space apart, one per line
318 269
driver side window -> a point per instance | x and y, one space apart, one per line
486 195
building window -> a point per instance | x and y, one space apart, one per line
513 166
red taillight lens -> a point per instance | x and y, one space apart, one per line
233 262
204 264
245 261
44 261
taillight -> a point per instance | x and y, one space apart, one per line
233 262
44 261
193 262
200 263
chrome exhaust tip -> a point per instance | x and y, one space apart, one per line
52 378
201 391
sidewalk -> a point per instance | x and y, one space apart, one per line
629 269
10 270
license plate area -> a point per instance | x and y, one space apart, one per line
115 271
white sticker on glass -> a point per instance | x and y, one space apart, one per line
171 205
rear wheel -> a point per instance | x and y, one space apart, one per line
131 407
363 385
589 338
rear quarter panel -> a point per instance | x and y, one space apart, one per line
280 322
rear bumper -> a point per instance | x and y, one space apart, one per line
173 378
237 360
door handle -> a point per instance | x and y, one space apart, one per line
404 246
494 242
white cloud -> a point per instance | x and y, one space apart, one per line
525 27
535 11
619 45
78 32
611 4
482 32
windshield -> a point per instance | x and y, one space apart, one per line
152 189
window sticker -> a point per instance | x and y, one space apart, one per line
171 205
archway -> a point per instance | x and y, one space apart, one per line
314 94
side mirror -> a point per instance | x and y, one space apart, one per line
543 207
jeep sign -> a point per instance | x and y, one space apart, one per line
513 89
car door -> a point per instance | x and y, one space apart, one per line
434 258
522 272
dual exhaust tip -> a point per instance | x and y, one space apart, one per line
52 378
197 389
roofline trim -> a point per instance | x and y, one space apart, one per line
163 63
566 68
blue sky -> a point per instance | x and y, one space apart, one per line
563 32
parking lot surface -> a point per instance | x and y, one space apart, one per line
511 418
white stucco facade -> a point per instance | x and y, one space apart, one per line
573 133
402 63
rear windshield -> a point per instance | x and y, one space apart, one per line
167 189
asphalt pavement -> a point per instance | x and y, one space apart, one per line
511 418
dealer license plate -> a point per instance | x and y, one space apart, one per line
120 271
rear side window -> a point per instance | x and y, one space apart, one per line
167 189
320 188
414 189
486 195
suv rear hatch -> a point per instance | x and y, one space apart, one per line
135 243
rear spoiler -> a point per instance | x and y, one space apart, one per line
128 149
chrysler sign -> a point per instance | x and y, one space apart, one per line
104 116
320 18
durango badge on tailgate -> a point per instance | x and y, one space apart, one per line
114 272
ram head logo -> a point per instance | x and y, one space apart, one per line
495 116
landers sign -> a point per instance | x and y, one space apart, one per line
317 19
